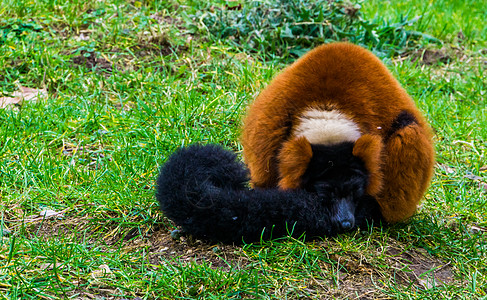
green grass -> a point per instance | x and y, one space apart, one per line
443 19
92 147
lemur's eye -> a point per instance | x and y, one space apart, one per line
357 189
322 187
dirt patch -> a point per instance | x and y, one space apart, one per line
89 60
358 276
161 42
363 278
37 226
367 274
155 45
185 249
356 286
431 57
417 267
162 247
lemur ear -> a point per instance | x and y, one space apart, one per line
294 158
369 148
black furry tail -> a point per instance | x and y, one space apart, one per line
204 190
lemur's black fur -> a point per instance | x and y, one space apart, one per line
339 178
204 189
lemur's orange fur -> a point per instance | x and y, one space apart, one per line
348 79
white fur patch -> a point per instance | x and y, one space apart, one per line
326 127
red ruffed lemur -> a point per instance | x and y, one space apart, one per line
339 98
333 142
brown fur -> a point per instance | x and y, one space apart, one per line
293 161
369 148
355 82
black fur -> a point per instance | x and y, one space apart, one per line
204 190
340 179
403 119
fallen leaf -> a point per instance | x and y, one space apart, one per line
14 213
427 283
49 213
447 169
102 271
22 95
50 266
472 177
4 231
85 295
477 229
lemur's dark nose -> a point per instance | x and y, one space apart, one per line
343 214
346 225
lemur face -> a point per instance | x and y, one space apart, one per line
340 179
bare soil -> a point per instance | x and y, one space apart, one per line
361 275
91 61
